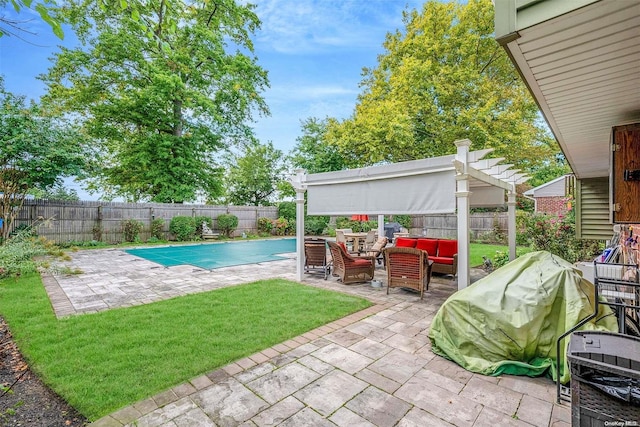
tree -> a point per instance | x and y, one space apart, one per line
443 78
15 27
312 153
155 85
36 151
57 192
253 175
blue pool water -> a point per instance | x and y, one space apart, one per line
217 255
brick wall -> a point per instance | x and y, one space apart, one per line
551 205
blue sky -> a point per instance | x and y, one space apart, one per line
314 51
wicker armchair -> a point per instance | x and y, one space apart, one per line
407 268
350 269
315 256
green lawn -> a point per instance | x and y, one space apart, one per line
104 361
478 250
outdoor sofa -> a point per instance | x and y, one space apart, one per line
443 252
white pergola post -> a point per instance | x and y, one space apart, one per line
511 223
298 181
380 226
462 199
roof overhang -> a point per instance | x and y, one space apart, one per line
580 61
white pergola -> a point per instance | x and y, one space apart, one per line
428 186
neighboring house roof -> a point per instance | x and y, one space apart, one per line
579 59
556 187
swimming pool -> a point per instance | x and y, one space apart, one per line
217 255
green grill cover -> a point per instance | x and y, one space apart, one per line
509 321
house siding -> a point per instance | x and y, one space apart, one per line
593 220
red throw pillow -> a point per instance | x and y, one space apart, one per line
402 242
447 248
429 245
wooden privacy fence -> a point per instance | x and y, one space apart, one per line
83 221
482 225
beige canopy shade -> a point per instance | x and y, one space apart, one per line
427 186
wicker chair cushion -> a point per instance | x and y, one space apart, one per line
343 246
358 262
401 242
442 260
429 245
447 248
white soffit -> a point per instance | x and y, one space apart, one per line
583 70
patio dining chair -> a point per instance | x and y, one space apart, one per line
407 268
375 250
350 269
370 240
315 256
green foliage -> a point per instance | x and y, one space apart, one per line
254 175
287 210
403 220
183 227
36 151
315 225
281 226
17 255
24 231
441 78
163 88
312 152
356 226
131 229
549 171
157 228
227 224
556 234
500 259
46 10
57 192
265 225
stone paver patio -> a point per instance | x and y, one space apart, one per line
372 368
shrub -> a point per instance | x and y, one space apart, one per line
403 220
18 252
265 225
281 224
557 235
315 224
131 229
157 229
24 231
227 223
183 227
16 255
287 210
500 259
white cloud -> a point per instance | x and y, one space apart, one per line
309 92
305 26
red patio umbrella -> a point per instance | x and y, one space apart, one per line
360 217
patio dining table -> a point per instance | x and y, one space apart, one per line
358 240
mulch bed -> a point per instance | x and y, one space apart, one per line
24 399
